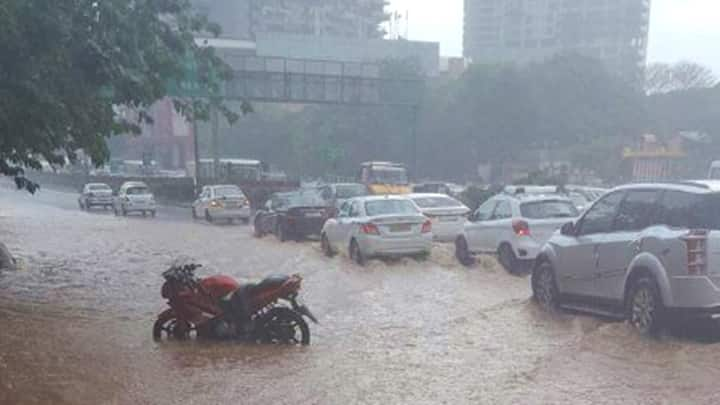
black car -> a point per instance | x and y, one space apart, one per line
294 215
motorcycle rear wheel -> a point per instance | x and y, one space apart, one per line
284 326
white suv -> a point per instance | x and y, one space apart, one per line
514 226
646 253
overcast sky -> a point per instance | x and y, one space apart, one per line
679 29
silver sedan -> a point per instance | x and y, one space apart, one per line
378 226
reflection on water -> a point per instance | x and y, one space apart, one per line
77 322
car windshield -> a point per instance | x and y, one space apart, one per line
437 202
548 209
228 191
351 190
389 207
137 191
99 187
389 175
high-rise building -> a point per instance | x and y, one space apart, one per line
244 19
522 31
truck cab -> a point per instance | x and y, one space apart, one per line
385 178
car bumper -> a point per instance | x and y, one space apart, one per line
379 246
446 231
99 201
230 213
526 248
692 314
130 207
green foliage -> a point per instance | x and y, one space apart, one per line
67 65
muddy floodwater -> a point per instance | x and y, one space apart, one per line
77 316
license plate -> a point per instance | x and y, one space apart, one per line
313 214
400 227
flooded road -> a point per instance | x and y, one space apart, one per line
77 323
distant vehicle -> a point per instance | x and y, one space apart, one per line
134 196
294 215
450 189
222 202
95 195
376 226
383 178
336 194
447 214
236 171
646 253
714 172
583 196
515 226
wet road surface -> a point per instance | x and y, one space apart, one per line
76 326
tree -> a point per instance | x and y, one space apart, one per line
665 78
67 67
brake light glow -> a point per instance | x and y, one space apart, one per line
369 229
215 203
427 227
521 228
696 241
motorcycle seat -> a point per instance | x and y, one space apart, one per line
272 282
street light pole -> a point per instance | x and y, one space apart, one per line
196 152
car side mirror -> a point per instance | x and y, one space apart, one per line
568 229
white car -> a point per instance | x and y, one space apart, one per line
225 202
376 226
134 196
447 214
515 226
95 195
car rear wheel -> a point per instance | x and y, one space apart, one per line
462 252
208 217
645 307
544 286
124 211
325 245
507 258
356 254
194 213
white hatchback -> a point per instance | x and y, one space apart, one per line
447 214
375 226
515 226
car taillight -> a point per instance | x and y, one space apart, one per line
369 229
427 227
521 228
215 203
696 241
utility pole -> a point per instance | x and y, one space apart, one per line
197 151
215 117
413 137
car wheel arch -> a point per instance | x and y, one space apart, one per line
645 266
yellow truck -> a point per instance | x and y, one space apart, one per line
385 178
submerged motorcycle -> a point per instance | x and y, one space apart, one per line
202 307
